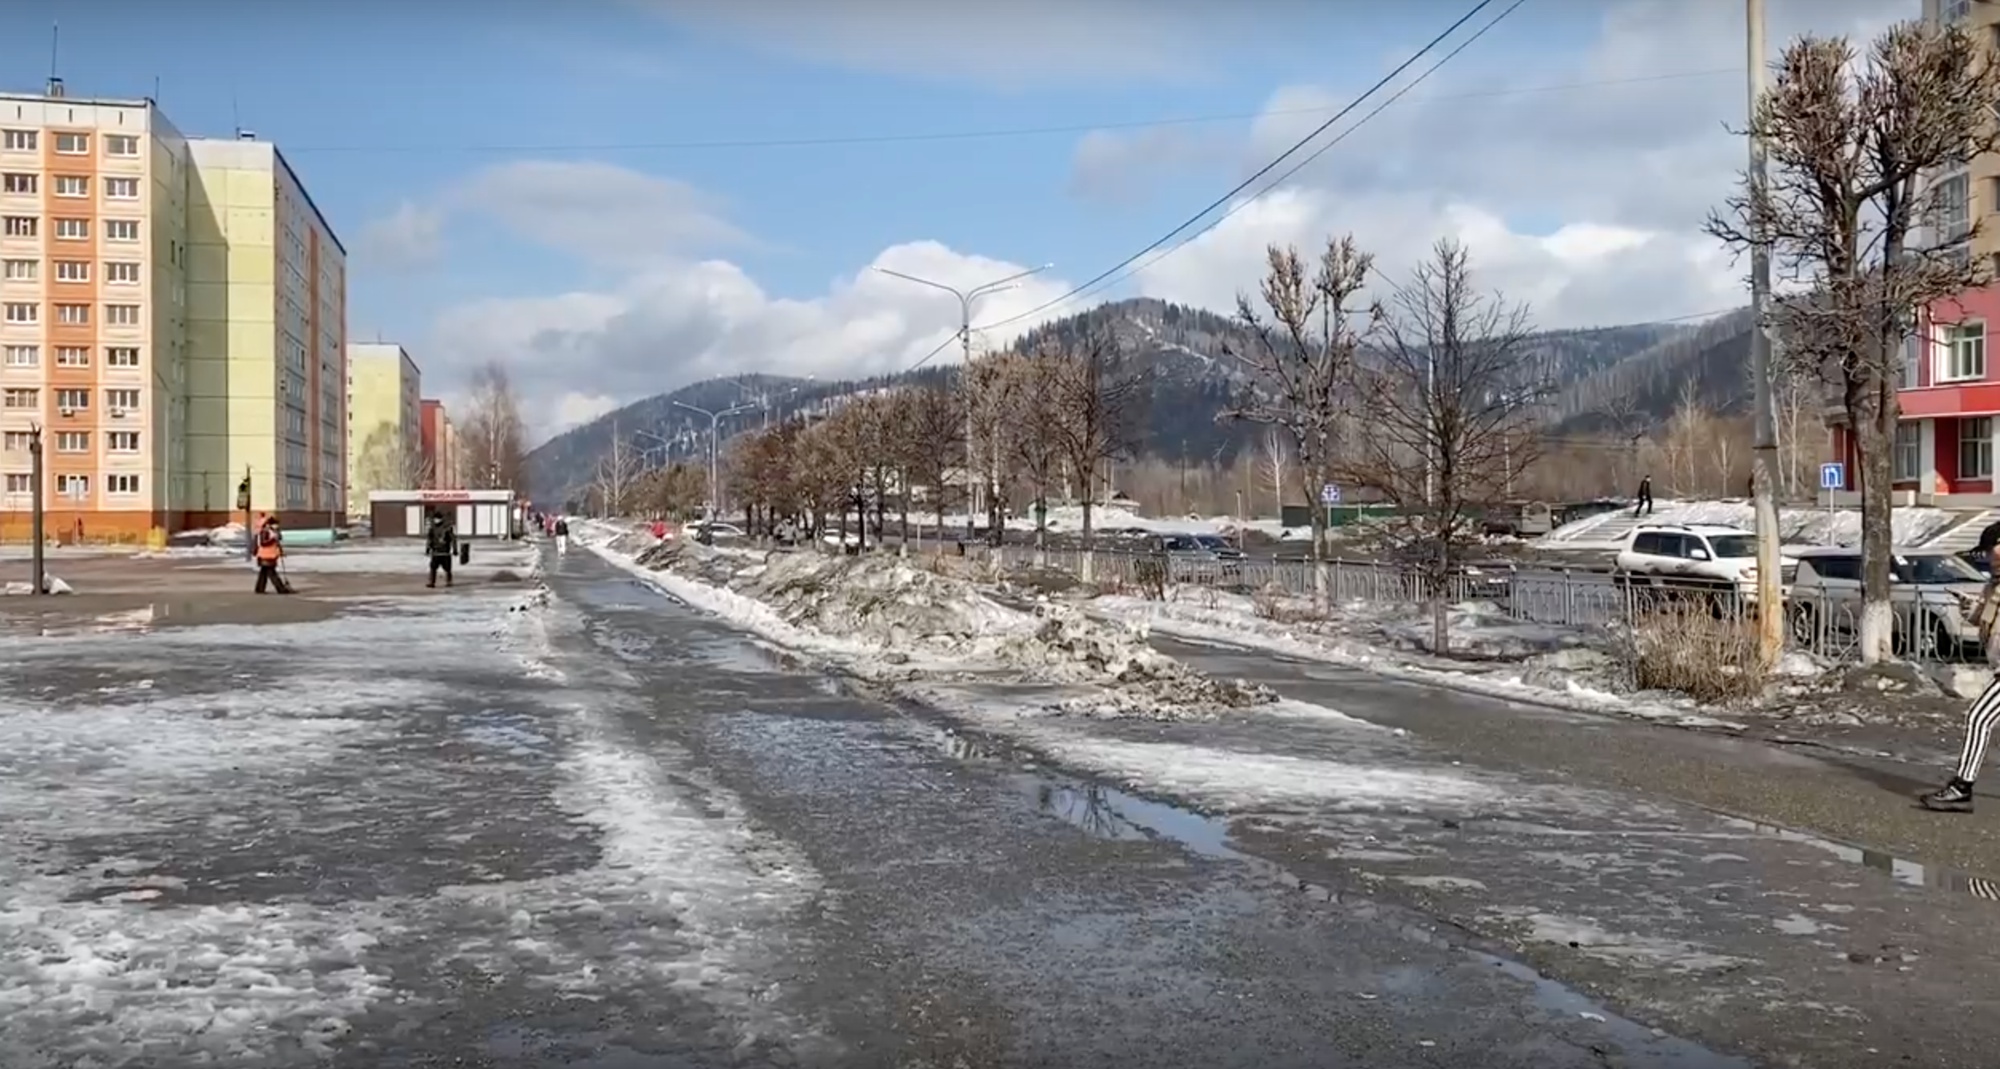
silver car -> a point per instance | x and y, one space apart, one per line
1932 595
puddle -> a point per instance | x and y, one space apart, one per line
1112 814
1903 871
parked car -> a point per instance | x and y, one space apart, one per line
1482 578
1200 557
1694 558
1932 594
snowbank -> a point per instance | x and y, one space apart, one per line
1546 665
890 621
1606 530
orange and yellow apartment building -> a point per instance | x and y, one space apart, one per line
173 319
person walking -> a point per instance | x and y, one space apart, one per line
270 550
441 542
1645 500
1956 795
562 534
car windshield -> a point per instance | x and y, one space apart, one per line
1211 542
1932 570
1730 546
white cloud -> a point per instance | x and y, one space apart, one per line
1586 201
411 237
564 205
574 355
1021 44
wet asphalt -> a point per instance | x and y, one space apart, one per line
981 910
654 841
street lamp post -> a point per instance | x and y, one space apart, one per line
965 299
714 451
38 568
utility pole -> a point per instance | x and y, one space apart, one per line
38 568
1764 446
965 299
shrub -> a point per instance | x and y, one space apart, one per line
1271 603
1688 648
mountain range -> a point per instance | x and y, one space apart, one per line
1610 380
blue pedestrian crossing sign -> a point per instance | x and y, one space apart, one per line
1833 476
1329 494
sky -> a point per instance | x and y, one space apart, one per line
615 198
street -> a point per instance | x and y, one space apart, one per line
497 826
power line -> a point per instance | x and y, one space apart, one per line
1261 171
1322 150
991 133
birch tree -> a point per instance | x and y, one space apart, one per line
492 435
1865 151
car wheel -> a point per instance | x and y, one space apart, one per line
1804 620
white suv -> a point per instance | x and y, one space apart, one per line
1693 554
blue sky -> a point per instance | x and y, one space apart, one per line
386 108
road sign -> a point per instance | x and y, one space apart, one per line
1833 476
1329 494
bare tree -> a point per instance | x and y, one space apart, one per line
615 482
1038 411
385 461
1274 463
933 443
1451 398
1097 396
1305 340
993 433
1686 441
1858 149
1797 393
491 436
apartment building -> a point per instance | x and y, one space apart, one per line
93 341
384 423
439 442
267 339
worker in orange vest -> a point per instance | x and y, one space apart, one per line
270 549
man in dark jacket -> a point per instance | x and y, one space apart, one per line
441 542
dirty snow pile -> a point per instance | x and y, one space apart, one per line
892 621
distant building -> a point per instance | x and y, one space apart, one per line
439 443
384 423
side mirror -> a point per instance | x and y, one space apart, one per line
1697 553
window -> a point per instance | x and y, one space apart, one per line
20 483
1951 201
72 441
74 315
122 315
73 486
73 397
23 226
121 145
121 230
24 356
17 441
21 312
72 270
23 270
121 189
72 356
1954 10
121 484
18 399
122 441
122 274
1838 569
1909 452
72 185
73 229
1975 448
1965 351
126 399
73 144
121 356
14 182
1912 354
19 140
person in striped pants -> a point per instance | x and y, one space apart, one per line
1956 796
